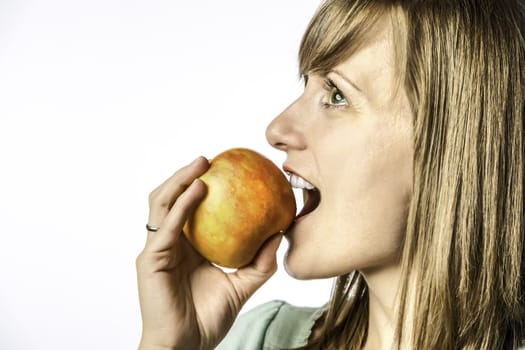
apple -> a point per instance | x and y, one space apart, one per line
248 200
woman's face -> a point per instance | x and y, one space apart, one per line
350 135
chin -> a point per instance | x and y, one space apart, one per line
298 259
298 274
298 269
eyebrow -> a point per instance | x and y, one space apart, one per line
346 79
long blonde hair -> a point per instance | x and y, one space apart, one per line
462 63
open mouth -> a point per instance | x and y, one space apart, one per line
311 199
311 195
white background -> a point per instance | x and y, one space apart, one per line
100 101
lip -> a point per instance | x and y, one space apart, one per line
288 169
306 195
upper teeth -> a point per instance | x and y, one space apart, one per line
299 182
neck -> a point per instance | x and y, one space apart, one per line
383 286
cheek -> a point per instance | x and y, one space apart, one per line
361 222
366 210
378 212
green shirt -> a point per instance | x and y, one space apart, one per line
274 325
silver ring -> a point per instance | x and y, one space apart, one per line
152 228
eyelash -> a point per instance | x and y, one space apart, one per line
332 89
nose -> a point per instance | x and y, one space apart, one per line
285 131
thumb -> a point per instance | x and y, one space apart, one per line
251 277
266 260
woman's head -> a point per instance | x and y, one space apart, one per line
350 136
423 159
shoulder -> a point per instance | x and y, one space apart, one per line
249 329
272 325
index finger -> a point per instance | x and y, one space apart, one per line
162 198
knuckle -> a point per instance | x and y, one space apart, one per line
158 198
153 195
139 261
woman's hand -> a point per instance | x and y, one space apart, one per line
186 302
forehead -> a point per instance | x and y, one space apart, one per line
340 29
374 59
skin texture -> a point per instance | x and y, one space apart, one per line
354 143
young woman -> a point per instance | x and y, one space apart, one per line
410 128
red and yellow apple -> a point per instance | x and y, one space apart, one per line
248 200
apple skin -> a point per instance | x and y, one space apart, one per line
248 200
